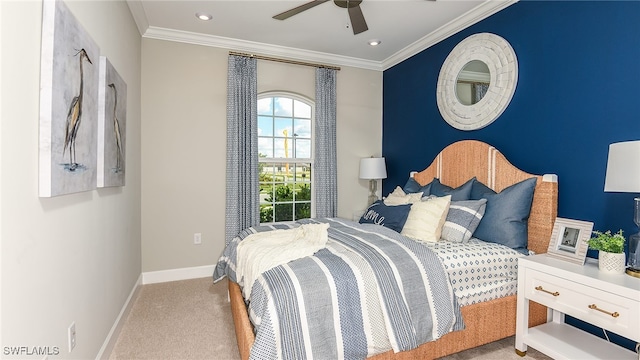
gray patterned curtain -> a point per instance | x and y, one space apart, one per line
479 90
325 178
242 146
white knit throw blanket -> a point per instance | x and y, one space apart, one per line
262 251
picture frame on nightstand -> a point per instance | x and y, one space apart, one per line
569 240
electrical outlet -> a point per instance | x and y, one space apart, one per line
197 238
72 336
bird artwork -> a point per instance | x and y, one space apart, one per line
74 116
116 131
70 104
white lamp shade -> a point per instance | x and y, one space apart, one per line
623 167
373 168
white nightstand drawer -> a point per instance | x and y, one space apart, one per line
604 309
568 288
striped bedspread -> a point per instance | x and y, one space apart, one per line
370 290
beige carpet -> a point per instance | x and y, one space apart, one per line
187 319
191 320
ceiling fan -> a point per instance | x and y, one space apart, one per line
358 24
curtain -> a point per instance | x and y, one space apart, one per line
479 91
325 159
242 190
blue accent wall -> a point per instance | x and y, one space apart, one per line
578 91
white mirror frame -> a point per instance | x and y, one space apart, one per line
499 56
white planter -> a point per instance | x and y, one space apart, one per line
611 263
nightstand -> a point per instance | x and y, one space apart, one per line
611 302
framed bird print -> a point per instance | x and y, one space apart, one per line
112 120
68 104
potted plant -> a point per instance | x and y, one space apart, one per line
610 248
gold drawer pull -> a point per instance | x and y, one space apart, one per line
555 293
595 307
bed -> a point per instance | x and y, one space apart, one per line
484 321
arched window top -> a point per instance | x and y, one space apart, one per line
284 126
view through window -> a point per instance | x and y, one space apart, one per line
284 148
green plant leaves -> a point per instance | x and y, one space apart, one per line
606 241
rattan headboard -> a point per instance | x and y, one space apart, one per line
465 159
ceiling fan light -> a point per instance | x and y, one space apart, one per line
375 42
204 16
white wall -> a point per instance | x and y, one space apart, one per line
74 257
1 101
184 144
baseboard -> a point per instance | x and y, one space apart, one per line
112 337
161 276
148 278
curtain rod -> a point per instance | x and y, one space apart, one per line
286 61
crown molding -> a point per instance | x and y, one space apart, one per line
260 48
139 16
471 17
474 76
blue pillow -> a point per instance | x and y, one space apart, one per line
478 189
392 217
412 186
506 215
461 193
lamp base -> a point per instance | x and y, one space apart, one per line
633 272
373 187
633 260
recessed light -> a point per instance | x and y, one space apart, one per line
203 16
374 42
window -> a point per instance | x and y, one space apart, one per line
285 157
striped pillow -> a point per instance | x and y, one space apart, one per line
463 219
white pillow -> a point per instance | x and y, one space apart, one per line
426 219
398 197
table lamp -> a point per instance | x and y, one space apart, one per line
623 175
373 169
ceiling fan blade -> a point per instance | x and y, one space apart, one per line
357 20
296 10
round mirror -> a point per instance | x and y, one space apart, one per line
460 107
473 82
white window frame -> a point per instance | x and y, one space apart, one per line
310 160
